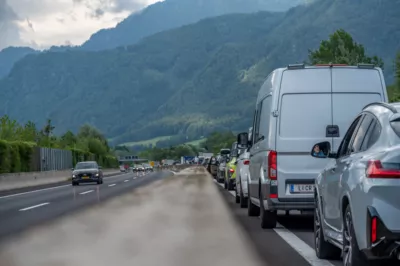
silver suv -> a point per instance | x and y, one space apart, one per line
357 195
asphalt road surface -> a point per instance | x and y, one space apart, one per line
20 211
289 244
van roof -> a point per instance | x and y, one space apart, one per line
304 66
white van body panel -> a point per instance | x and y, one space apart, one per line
297 106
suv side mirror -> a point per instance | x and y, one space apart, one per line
100 167
322 150
72 169
243 140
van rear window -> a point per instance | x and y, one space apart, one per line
305 115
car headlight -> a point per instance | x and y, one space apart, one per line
97 174
73 176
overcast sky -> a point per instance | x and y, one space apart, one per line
42 23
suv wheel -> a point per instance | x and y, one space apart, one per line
268 218
323 249
352 255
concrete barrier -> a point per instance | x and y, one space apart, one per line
29 179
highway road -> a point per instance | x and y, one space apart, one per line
22 210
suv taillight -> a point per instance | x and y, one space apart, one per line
376 169
246 162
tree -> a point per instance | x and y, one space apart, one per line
342 49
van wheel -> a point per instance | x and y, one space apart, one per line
225 185
237 197
230 185
268 218
252 210
243 199
323 249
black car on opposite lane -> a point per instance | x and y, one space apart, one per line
87 172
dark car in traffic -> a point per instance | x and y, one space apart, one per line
87 172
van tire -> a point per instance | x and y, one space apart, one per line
243 199
230 185
268 218
225 185
252 210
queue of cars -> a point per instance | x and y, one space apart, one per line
324 139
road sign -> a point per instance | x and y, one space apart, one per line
152 164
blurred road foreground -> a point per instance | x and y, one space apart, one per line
181 220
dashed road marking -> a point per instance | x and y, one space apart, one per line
86 192
111 185
126 181
33 207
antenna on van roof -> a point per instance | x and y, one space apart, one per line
296 66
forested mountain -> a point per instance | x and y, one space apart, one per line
170 14
191 80
11 55
154 18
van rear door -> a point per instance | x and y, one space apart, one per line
352 89
304 114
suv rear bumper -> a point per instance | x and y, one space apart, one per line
289 204
388 244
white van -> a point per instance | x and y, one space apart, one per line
297 107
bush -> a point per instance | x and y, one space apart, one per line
15 156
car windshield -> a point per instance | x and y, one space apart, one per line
85 166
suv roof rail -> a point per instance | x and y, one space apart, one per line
386 105
368 66
296 66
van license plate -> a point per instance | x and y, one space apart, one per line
302 188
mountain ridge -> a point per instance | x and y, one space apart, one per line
191 80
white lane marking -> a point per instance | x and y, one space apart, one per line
86 192
111 185
33 207
44 189
126 181
135 177
29 192
301 247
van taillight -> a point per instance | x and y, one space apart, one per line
231 170
273 174
375 169
272 170
246 162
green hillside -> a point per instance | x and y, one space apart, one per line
192 80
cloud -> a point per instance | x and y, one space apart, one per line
57 22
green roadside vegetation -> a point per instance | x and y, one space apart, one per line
17 144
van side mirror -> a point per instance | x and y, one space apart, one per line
72 169
243 140
322 150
